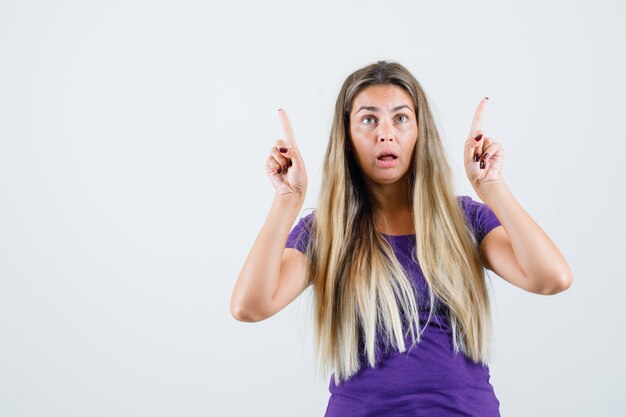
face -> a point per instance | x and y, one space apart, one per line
383 121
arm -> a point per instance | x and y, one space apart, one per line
258 280
522 251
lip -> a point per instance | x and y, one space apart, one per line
386 152
387 164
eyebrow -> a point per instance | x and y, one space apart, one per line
374 108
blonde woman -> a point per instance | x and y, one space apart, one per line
394 257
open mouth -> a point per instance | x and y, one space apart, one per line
387 157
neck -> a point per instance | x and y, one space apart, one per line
393 214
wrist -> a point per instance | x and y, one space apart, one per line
290 199
490 189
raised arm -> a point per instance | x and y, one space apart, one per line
259 279
519 251
271 275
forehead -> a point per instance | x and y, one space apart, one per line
384 96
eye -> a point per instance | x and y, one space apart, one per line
372 117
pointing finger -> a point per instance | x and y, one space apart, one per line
477 121
288 147
287 128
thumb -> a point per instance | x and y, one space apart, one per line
291 152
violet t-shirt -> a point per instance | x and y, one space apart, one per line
428 379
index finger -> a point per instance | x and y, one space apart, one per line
477 121
287 129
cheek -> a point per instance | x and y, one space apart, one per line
357 131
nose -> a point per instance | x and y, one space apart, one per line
385 131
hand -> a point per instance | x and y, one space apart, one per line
483 158
286 169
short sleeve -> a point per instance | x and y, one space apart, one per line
300 234
480 217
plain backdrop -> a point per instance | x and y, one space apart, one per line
133 137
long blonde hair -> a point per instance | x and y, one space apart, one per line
359 286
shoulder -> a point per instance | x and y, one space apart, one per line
307 219
480 217
467 203
471 206
302 230
302 233
465 200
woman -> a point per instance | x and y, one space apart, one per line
395 259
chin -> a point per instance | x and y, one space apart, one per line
388 178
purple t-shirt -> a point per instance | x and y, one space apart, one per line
428 379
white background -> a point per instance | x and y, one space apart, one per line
133 137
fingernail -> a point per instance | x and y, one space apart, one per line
477 138
282 150
290 162
486 155
280 109
487 98
280 170
476 157
482 164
